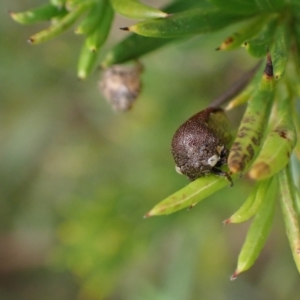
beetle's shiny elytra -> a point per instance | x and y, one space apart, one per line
199 145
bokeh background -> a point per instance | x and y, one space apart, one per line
77 178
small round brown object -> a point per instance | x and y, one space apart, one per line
199 146
121 85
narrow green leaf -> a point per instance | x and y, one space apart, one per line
290 215
250 6
190 195
281 48
191 22
247 31
294 2
134 46
72 4
41 13
270 5
296 52
135 10
279 143
237 6
244 208
297 201
57 28
248 140
58 3
258 45
252 204
297 127
257 233
92 19
98 37
87 61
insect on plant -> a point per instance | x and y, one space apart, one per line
199 146
267 135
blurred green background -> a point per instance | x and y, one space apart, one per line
77 178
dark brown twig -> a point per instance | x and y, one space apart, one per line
235 88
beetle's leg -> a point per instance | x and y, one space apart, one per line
222 173
223 158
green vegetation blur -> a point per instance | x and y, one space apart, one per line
76 179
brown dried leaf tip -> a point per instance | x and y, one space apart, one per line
269 67
234 276
226 43
121 85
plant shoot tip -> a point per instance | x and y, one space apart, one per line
147 215
227 221
234 275
81 75
30 40
191 206
228 107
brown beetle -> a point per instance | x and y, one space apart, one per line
199 145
